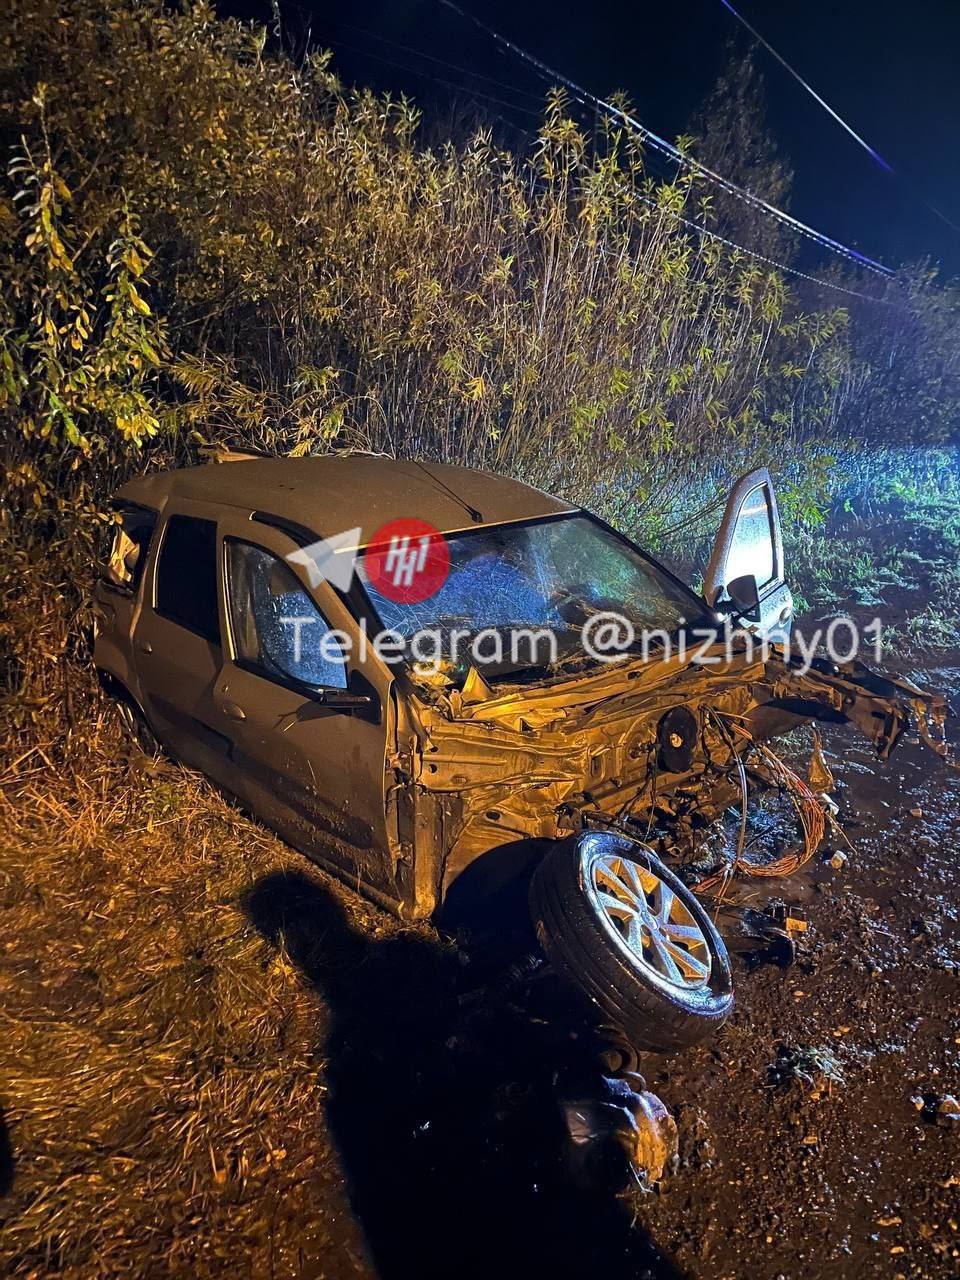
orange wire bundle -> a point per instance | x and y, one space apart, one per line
809 811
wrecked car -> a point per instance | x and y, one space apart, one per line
426 785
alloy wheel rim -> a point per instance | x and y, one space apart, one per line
651 921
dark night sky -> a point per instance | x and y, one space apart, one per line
891 70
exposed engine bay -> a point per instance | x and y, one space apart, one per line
656 750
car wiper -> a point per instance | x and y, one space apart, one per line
545 670
521 675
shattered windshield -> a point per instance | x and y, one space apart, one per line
551 576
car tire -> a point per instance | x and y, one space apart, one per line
631 938
135 726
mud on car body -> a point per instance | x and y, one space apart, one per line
426 789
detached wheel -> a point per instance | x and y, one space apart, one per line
626 933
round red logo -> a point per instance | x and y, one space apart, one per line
407 561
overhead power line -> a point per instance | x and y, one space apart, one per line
875 155
809 88
468 89
442 62
432 76
771 262
668 149
450 84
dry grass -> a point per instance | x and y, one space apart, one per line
159 1065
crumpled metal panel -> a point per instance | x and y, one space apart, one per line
531 762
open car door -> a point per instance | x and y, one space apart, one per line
744 578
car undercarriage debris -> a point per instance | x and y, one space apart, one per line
620 1134
769 933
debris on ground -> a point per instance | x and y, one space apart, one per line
939 1109
818 1069
768 934
818 772
696 1148
621 1135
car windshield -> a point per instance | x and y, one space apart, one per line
551 576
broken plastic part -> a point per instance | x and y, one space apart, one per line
625 1135
769 933
818 774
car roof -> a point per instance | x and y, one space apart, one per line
328 495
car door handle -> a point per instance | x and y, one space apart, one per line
232 710
145 646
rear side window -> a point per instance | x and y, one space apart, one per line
187 576
129 541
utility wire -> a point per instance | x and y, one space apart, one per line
431 76
427 75
809 88
770 262
875 155
668 149
463 88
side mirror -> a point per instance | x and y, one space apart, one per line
744 593
744 598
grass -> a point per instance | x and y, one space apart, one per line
160 1069
816 1069
893 551
216 1060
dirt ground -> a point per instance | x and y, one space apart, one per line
266 1077
776 1180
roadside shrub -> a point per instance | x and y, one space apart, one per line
262 258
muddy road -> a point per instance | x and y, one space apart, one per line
814 1135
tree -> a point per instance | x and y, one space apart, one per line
732 137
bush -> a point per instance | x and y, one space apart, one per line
322 280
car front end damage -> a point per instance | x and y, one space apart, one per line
611 786
648 747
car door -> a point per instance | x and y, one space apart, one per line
177 643
307 714
118 590
745 577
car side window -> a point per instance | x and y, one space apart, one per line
751 548
276 627
187 576
130 535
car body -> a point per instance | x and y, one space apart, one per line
422 789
